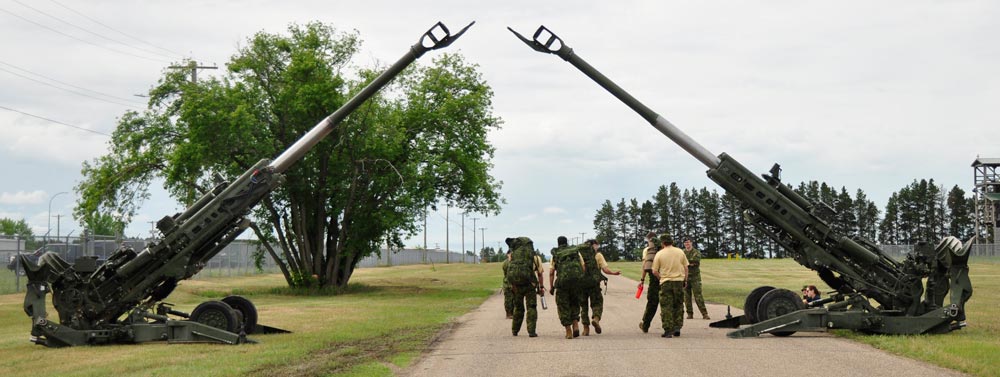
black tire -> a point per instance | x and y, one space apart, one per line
217 314
247 309
776 303
750 305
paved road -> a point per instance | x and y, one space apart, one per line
480 344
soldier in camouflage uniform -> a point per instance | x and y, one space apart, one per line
693 288
653 293
567 296
590 290
508 295
525 301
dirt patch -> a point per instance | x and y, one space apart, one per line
342 356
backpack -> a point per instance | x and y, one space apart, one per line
590 260
521 270
570 273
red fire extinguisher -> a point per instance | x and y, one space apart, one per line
638 292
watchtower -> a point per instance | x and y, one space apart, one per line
987 195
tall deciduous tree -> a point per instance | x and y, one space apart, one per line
420 142
11 227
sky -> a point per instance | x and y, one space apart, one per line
858 94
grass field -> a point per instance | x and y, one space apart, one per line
973 350
383 320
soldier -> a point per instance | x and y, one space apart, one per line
508 296
693 288
590 290
524 275
653 294
670 266
568 262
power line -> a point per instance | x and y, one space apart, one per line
79 39
54 121
118 101
115 30
90 32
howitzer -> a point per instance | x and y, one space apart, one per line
855 268
121 301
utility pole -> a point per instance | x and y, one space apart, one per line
194 67
48 230
152 229
483 230
425 236
447 227
58 218
463 236
474 252
582 238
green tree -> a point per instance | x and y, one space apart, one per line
604 225
710 224
11 227
866 213
661 208
104 224
961 210
421 141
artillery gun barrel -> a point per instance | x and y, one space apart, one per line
786 217
92 303
431 40
554 45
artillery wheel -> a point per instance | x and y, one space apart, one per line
247 309
217 314
776 303
750 305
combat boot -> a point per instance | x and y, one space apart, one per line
597 324
586 330
569 333
576 329
705 316
532 335
690 316
643 328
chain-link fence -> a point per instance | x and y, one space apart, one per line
413 256
236 259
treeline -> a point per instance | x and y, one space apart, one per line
919 211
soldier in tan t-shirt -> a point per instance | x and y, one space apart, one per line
670 265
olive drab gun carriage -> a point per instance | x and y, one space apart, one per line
121 300
855 268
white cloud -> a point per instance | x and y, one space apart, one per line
553 210
21 197
527 218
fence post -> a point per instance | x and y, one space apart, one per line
17 264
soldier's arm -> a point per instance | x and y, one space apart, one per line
685 274
552 277
656 268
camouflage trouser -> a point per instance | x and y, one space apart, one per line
524 295
652 301
693 290
591 295
568 305
508 300
671 311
